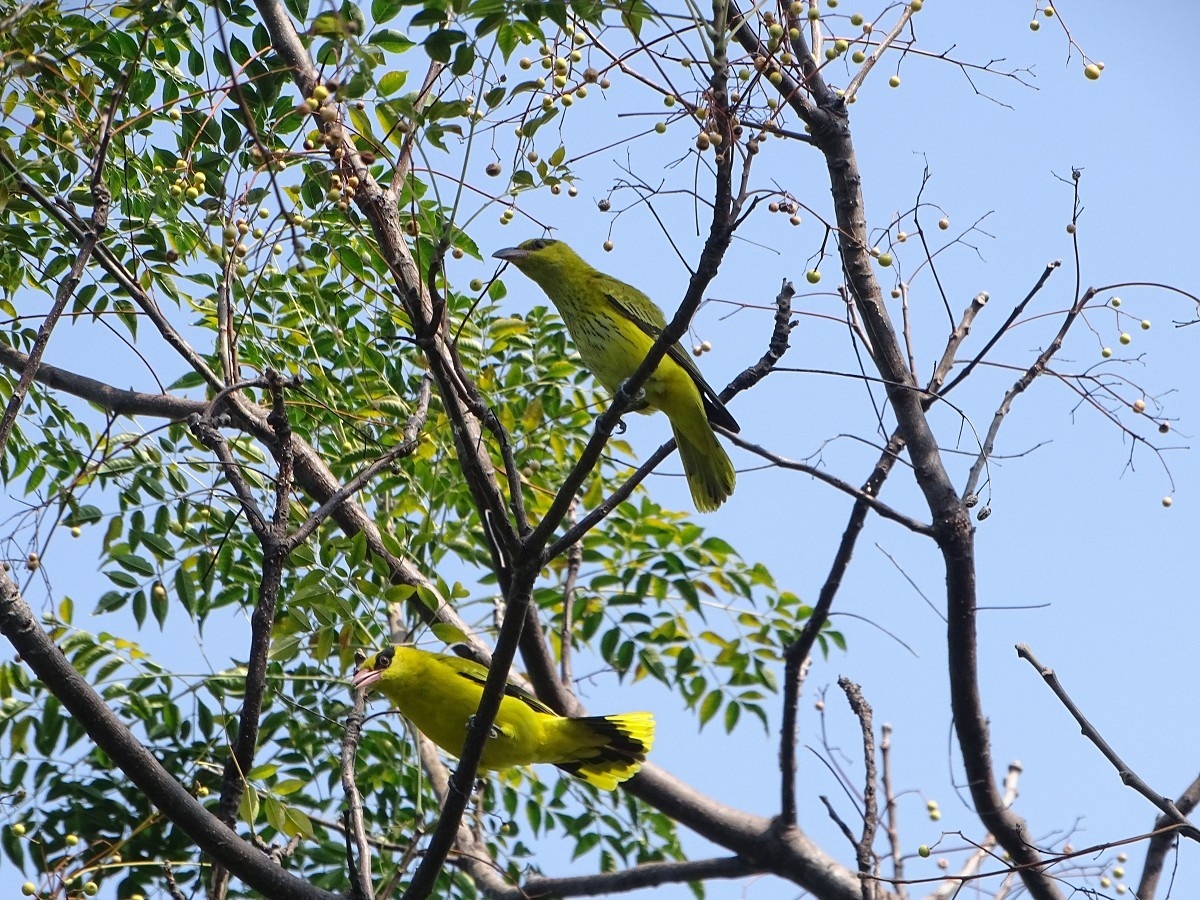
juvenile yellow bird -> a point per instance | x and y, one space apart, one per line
614 325
439 694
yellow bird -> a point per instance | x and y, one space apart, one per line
440 694
614 325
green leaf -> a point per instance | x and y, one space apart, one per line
134 563
109 601
439 43
709 707
391 83
383 10
391 41
248 807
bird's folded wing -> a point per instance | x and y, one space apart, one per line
713 407
474 672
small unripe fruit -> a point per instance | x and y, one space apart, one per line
18 828
1035 25
858 56
813 14
1145 324
813 276
1091 72
660 127
1048 12
1125 337
894 81
776 77
841 46
916 5
856 19
72 839
91 888
923 851
476 285
934 816
1114 302
1106 352
669 100
76 531
885 259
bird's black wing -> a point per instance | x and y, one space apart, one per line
478 674
713 407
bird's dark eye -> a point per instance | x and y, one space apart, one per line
384 659
538 244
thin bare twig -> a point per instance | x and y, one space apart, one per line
1128 777
863 851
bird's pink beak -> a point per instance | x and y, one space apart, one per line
511 254
364 678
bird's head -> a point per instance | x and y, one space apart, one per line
540 257
372 669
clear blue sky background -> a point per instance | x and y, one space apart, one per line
1079 558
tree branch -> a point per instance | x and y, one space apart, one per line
139 765
1128 777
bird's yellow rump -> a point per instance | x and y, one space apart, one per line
439 694
614 325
